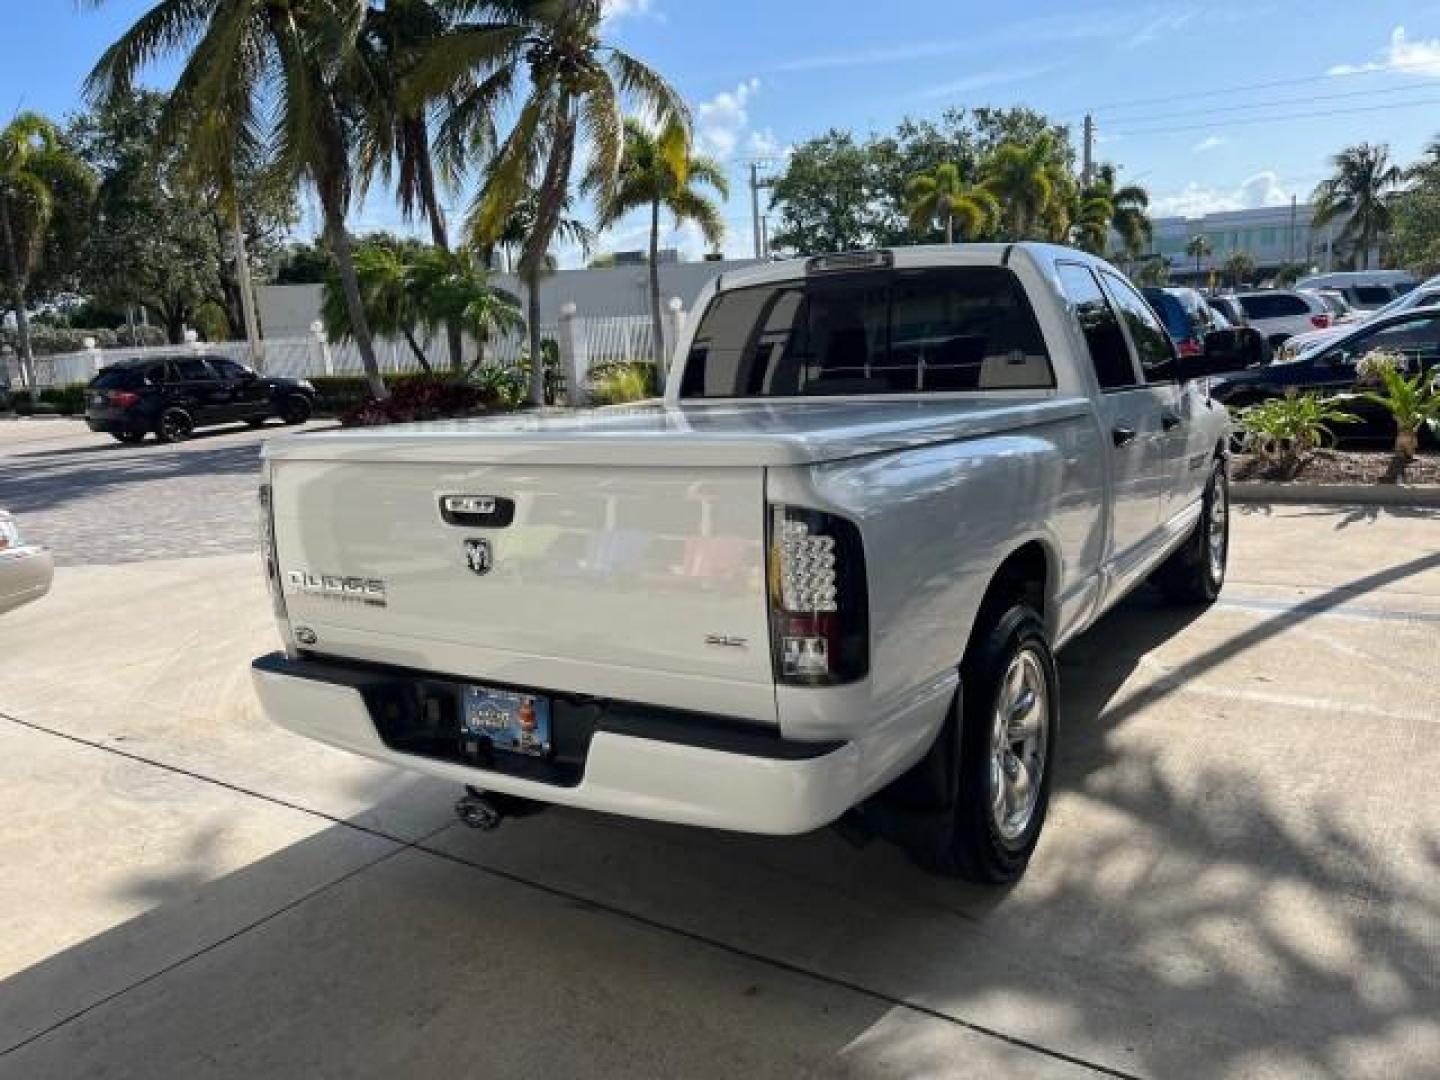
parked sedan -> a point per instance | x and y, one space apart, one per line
173 395
1426 295
1279 314
25 569
1331 369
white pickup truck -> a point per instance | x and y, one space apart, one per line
826 573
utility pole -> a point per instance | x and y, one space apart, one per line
1294 219
1087 171
756 183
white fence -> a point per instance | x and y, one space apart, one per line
595 341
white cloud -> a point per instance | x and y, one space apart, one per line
1420 58
618 9
982 79
1162 25
722 122
1262 189
1210 142
764 144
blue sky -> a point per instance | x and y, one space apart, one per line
1162 77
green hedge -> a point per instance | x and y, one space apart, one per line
68 400
336 394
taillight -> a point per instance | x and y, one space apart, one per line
1191 347
1321 322
123 399
819 609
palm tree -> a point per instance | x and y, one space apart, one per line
392 306
943 198
1199 247
256 73
1426 171
1130 205
395 141
1023 177
34 166
575 84
649 180
1239 268
1360 189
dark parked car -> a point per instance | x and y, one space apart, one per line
1186 316
173 395
1332 368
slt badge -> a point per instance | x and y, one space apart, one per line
478 556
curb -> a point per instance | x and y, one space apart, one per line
1251 491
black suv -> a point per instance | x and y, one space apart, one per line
173 395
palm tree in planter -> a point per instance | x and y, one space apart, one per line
258 73
1413 401
1360 190
39 181
943 198
650 180
1198 247
575 83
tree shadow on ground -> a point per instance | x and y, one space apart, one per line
1238 913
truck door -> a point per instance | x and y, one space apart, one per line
1184 468
1130 413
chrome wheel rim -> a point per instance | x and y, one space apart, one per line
1218 534
1018 743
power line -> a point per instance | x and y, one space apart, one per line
1221 110
1192 94
1165 129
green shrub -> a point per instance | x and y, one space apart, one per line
68 400
622 381
1284 431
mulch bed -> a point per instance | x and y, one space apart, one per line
1344 467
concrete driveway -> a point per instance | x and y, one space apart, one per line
1240 877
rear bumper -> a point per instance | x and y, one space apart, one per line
117 421
636 761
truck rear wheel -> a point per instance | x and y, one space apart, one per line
998 745
1195 573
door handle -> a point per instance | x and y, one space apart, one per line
1122 436
1170 421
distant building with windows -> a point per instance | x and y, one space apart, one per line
663 257
1272 235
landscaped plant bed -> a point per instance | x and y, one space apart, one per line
1342 468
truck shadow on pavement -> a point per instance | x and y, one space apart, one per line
1182 918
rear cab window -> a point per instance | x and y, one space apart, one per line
1273 306
872 332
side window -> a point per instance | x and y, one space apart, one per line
227 369
1157 355
1108 351
190 369
1418 340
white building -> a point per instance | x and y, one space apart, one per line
1273 236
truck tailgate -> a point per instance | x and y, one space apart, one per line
638 583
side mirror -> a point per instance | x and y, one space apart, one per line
1235 349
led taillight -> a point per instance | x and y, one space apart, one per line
818 603
1191 347
123 399
1320 322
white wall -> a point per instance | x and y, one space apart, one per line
288 310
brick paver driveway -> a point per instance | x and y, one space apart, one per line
94 501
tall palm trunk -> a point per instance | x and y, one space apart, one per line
17 290
657 350
537 352
949 228
340 246
439 234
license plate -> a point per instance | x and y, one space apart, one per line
519 723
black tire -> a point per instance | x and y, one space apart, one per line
1195 573
174 425
296 409
130 438
968 840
